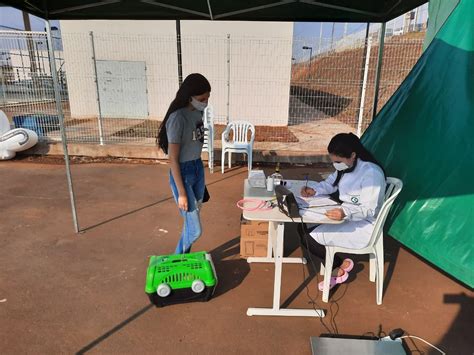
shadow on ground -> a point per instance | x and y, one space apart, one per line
308 105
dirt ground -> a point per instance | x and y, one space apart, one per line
62 292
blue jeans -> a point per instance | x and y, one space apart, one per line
192 173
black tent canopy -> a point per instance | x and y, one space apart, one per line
228 10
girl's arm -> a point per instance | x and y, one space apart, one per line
173 153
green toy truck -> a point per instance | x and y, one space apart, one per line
180 278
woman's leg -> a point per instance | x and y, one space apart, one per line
314 247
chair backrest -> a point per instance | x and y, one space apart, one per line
240 131
208 116
394 186
4 123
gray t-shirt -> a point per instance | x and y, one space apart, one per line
186 128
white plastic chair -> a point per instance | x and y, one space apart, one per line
374 248
240 142
208 119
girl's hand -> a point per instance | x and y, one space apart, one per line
183 203
337 214
307 192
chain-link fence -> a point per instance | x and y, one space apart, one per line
117 88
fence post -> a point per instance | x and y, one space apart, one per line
59 108
379 69
3 88
96 80
364 87
228 79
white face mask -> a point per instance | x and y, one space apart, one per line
198 105
340 166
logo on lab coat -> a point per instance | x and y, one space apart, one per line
354 199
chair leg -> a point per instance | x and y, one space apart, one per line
380 271
210 158
327 272
372 266
230 160
249 158
222 160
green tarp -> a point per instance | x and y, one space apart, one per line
439 11
229 10
425 136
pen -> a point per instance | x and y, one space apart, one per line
306 185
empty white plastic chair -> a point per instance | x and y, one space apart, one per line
235 139
208 119
374 248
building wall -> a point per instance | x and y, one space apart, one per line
259 70
150 41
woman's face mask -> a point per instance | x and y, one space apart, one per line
200 102
341 163
340 166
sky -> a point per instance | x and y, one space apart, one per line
11 18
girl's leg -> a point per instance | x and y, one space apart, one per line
191 220
190 233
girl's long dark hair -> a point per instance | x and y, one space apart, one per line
194 85
343 145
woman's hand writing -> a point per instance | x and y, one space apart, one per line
307 191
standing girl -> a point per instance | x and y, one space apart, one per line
181 136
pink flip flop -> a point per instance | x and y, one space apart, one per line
351 265
334 281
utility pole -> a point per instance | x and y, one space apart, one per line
332 33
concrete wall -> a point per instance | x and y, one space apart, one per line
260 63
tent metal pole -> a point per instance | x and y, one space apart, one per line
180 55
379 68
59 108
228 79
82 7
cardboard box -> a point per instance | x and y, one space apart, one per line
253 238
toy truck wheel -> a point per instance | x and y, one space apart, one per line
197 286
163 290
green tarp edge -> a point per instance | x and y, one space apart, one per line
423 135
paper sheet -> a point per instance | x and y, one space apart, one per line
315 201
314 213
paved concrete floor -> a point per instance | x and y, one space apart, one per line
67 293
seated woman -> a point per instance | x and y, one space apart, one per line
360 181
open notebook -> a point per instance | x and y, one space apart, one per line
315 201
313 206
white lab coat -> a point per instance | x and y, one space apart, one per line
362 194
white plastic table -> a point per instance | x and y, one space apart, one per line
276 227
